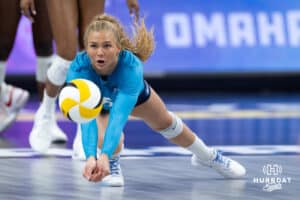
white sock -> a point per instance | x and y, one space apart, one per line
202 151
47 106
115 155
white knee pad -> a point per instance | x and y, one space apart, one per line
58 70
2 72
43 64
174 129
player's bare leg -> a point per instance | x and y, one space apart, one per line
63 17
12 98
156 115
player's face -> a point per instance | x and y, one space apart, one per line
103 51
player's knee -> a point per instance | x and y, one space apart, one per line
57 72
174 129
67 48
43 64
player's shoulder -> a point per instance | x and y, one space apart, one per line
81 61
129 59
82 58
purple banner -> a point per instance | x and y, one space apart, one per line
249 36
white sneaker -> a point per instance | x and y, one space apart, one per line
45 130
78 152
222 164
40 135
57 135
14 98
12 101
115 179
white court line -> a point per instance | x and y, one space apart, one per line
158 151
28 116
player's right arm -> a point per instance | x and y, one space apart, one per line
79 68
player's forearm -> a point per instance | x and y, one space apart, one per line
118 117
90 138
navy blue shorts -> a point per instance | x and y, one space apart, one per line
144 95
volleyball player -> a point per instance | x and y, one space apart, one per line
68 20
115 63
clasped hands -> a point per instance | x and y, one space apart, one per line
95 170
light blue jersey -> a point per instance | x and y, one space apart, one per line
120 91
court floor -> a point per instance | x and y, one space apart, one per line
159 178
261 132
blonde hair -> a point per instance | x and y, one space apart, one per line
142 44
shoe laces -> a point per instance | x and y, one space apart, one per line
221 160
115 166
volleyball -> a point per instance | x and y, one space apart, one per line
80 100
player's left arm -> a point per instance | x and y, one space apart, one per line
132 83
119 114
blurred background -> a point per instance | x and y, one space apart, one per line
244 46
230 70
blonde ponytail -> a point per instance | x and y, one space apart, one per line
142 43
